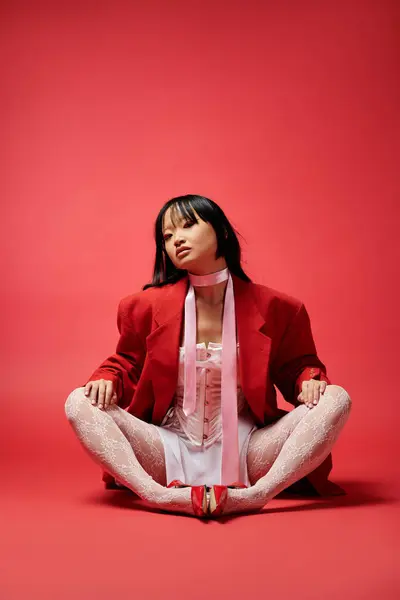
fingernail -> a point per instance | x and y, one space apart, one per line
315 402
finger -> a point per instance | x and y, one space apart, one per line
322 388
309 392
114 399
109 393
303 394
93 392
101 393
88 388
316 392
303 398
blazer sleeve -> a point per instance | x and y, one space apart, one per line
124 367
296 358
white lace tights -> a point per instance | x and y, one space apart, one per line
290 448
278 455
115 439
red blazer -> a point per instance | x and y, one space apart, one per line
276 349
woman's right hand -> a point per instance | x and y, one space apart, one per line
101 392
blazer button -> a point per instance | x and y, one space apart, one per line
205 420
205 437
208 355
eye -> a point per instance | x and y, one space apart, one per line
188 223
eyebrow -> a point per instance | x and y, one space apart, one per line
165 228
180 219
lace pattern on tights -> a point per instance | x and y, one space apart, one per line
278 454
290 448
109 437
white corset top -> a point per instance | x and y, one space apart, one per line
203 427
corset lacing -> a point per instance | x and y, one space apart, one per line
203 427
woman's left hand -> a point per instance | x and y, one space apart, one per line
311 391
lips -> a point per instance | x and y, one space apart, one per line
179 252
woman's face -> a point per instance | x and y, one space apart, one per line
198 236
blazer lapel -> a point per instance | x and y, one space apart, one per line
163 346
254 347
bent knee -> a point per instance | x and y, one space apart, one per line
72 403
341 398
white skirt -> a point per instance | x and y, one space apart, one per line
195 465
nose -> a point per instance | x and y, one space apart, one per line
179 241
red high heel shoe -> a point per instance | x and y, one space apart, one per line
199 497
219 495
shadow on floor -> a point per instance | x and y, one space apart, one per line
358 493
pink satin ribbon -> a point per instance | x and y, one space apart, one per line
229 413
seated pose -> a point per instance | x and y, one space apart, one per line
184 413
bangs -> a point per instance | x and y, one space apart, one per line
182 209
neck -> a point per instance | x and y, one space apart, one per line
212 295
210 288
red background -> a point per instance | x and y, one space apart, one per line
284 113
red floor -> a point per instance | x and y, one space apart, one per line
64 536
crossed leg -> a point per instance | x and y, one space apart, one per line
287 450
128 448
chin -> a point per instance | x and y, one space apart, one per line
181 264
